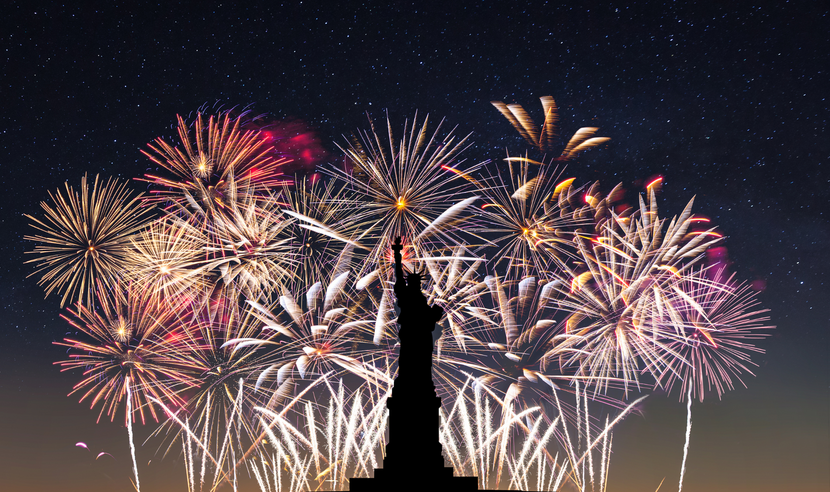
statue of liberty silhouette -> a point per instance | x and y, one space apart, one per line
413 454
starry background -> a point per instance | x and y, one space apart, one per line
726 100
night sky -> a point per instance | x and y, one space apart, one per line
727 102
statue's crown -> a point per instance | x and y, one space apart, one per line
414 278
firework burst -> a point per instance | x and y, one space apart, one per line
166 260
510 340
323 222
625 277
331 328
125 346
252 300
410 188
717 319
216 155
249 248
543 139
453 284
529 218
85 237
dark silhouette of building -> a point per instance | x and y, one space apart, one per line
413 455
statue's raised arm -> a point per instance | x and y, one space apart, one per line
400 281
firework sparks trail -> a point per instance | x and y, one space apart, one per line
188 459
191 437
204 439
130 432
472 441
688 434
543 140
356 429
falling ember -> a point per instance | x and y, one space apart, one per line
671 269
699 219
709 337
563 185
706 233
456 171
523 159
590 200
655 183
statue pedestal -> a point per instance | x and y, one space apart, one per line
413 455
383 482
